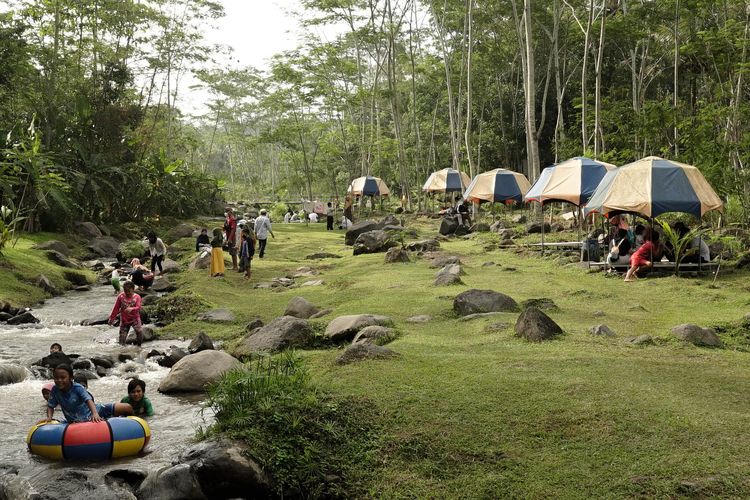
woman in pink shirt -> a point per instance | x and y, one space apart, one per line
128 306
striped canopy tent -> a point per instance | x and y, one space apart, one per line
497 185
448 180
368 186
653 186
572 181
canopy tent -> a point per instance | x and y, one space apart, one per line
572 181
447 180
497 185
368 186
652 186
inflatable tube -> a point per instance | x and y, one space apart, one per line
113 438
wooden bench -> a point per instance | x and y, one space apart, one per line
663 266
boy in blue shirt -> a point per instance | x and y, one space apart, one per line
76 403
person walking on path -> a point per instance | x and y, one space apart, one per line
157 250
329 217
230 236
262 230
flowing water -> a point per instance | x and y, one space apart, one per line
21 405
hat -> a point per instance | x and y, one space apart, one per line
48 386
263 211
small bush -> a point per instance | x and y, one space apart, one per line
176 306
313 444
277 211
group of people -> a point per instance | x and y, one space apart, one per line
71 395
641 246
330 213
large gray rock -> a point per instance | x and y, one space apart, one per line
200 261
12 374
61 260
534 325
362 352
88 230
45 284
373 242
104 246
217 315
299 307
396 254
449 275
57 246
170 266
201 342
360 227
448 226
429 245
697 336
390 220
536 227
174 355
192 373
378 335
179 231
443 260
346 327
22 318
281 333
163 284
174 482
225 469
482 301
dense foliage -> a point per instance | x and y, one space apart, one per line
313 444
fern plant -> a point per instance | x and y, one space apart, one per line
680 244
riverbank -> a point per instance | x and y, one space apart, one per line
469 410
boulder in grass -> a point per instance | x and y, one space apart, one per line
45 284
449 275
602 330
193 373
217 315
362 352
346 327
373 242
396 254
104 246
482 301
544 303
299 307
535 326
282 333
536 227
163 284
57 246
179 231
480 227
448 226
360 227
200 261
201 342
170 266
378 335
704 337
88 230
429 245
61 260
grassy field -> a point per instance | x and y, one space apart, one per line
473 412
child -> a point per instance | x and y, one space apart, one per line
76 403
137 399
115 280
217 254
247 251
128 306
642 257
140 275
55 348
47 389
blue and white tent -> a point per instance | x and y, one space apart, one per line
447 180
572 181
368 186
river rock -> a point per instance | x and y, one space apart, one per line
148 335
105 246
179 231
362 352
443 260
200 261
481 301
99 320
602 330
78 279
536 326
23 318
57 246
373 242
174 355
162 284
281 333
170 266
129 479
429 245
697 336
201 342
299 307
217 315
54 359
346 327
225 470
175 482
253 325
449 275
192 373
104 362
378 335
322 255
396 254
88 230
149 300
4 316
83 364
61 260
84 375
12 374
360 227
45 284
40 372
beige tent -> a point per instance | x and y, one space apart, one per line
447 180
368 186
498 185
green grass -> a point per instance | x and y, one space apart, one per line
477 413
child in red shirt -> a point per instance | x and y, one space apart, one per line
642 257
128 306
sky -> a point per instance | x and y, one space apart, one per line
256 30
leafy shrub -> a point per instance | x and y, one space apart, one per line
277 211
175 306
302 436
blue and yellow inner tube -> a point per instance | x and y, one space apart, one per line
113 438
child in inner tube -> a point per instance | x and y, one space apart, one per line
76 403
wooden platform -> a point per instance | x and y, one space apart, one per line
664 266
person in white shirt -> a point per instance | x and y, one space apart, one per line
313 217
262 230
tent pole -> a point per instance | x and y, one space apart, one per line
542 212
580 222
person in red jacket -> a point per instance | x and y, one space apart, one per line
128 306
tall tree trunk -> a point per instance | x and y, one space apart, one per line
467 132
598 134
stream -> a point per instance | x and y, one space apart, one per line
21 405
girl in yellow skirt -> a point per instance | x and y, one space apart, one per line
217 254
